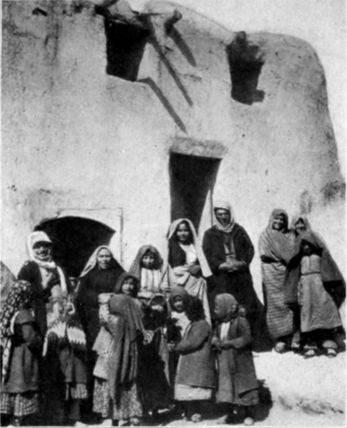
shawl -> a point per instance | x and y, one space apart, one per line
66 326
275 244
7 279
303 219
122 278
205 269
48 265
92 261
19 294
223 205
123 361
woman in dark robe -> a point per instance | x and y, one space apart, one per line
276 248
100 275
229 252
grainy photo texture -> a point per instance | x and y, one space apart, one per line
172 221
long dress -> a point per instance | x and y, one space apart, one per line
276 247
220 246
318 310
20 389
237 381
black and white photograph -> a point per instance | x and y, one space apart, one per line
173 224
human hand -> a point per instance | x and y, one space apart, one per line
194 269
147 336
171 346
216 343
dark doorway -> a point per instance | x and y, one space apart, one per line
191 179
74 240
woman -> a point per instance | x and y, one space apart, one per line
99 276
332 277
188 266
276 249
21 346
237 381
43 274
229 252
148 268
116 393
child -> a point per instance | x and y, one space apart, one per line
65 353
116 393
319 315
154 357
194 380
20 350
148 268
237 382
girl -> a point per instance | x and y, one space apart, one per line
237 382
154 357
187 263
194 380
21 347
116 394
65 354
319 316
148 268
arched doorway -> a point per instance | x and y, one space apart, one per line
74 240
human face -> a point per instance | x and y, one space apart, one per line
218 310
278 222
128 286
148 260
223 216
183 233
178 304
104 258
299 227
42 250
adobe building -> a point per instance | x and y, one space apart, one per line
113 126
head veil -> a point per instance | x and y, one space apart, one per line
135 268
224 205
123 363
205 269
303 219
40 236
225 302
92 261
122 278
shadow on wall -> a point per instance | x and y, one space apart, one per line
74 239
192 178
245 63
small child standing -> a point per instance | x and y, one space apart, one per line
194 382
237 382
21 347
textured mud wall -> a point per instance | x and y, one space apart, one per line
75 137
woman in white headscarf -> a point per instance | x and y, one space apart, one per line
230 252
188 266
43 273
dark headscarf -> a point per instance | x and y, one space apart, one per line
122 278
179 292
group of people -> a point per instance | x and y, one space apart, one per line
125 345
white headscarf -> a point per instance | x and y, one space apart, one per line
48 265
205 269
224 205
